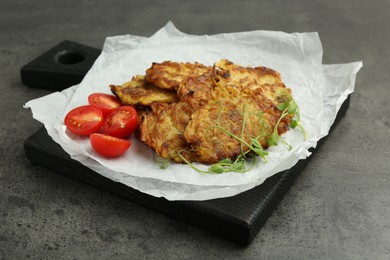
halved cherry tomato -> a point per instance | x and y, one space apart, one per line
109 146
107 103
121 122
84 120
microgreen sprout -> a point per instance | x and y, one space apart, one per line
189 163
297 123
289 107
255 146
162 163
274 139
294 109
224 165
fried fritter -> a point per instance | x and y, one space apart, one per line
228 73
169 75
243 104
261 82
139 92
162 129
196 90
239 115
276 94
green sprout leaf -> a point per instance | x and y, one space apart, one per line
260 152
273 141
292 107
238 166
216 168
162 163
293 123
255 142
283 106
225 161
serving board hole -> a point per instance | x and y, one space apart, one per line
69 57
60 67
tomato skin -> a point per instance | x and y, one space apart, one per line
84 120
121 122
109 146
107 103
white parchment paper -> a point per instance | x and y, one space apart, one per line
318 89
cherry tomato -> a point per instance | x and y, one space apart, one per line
109 146
84 120
121 122
107 103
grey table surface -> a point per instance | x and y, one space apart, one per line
339 208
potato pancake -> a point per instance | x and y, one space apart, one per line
229 73
162 129
240 115
243 104
196 90
139 92
169 75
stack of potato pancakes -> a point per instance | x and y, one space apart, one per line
197 110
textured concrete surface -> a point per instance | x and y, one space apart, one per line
339 208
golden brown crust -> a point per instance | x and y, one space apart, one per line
228 73
139 92
163 130
206 130
196 90
169 74
275 94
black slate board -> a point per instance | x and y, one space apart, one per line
238 218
